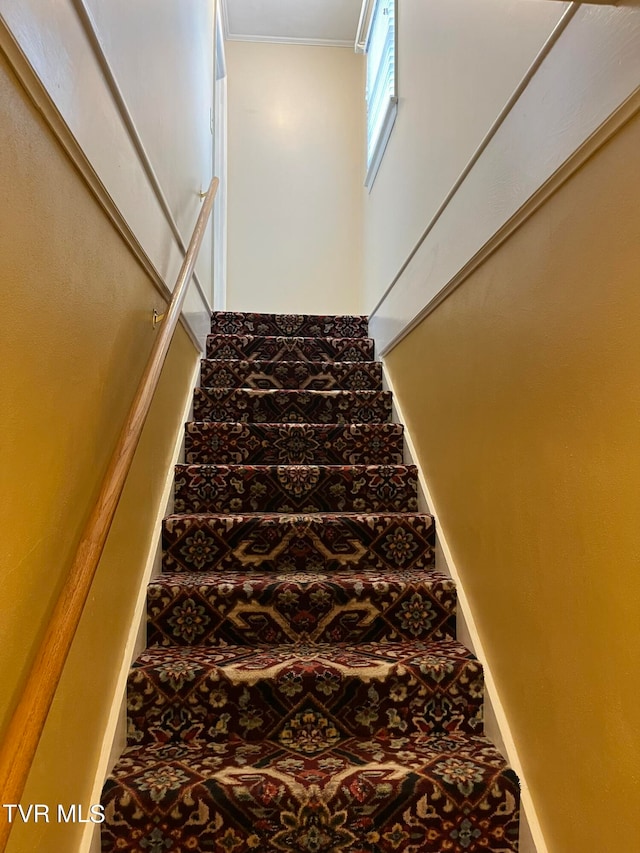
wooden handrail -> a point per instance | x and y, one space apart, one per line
29 717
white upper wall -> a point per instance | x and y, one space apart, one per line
296 169
500 102
161 55
459 61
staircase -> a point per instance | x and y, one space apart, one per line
302 690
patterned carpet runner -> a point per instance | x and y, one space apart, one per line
302 690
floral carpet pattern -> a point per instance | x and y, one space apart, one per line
256 348
288 405
295 488
267 607
283 542
302 690
290 325
304 375
211 442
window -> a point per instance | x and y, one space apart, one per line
377 38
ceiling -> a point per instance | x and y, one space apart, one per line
328 22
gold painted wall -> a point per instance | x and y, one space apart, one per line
522 394
76 332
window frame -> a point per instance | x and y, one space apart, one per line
385 115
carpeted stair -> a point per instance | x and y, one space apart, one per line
302 690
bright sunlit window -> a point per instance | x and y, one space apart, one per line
377 38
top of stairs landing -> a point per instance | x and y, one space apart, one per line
289 325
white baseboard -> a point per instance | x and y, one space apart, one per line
496 723
114 739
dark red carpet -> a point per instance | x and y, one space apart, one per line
302 690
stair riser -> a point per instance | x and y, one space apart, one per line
321 407
311 376
249 347
294 325
457 797
297 488
293 444
183 700
303 543
243 610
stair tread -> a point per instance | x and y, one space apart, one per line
291 365
287 324
451 792
255 577
257 661
289 339
350 428
309 393
413 752
178 694
302 517
375 467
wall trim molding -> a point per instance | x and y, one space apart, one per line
46 107
627 110
376 158
364 25
224 15
530 829
115 729
289 40
229 36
